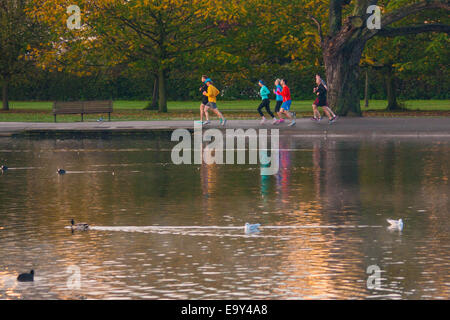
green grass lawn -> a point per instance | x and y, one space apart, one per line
247 105
187 110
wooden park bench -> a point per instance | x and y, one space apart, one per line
83 107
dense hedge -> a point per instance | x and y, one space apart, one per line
47 86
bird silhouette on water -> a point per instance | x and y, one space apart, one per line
26 277
61 171
4 168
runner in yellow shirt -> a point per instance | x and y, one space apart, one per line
212 100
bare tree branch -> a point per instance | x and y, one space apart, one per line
138 29
401 31
403 12
319 27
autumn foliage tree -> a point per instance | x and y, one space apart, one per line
348 34
152 35
18 34
228 37
408 57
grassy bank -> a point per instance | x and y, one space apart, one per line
187 110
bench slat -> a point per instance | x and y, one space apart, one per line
97 106
67 107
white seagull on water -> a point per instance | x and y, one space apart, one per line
395 224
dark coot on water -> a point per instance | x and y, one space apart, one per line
25 277
4 168
61 171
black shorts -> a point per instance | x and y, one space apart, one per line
321 103
211 105
205 102
278 106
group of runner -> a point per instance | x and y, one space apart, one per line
282 107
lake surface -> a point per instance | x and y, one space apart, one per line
323 220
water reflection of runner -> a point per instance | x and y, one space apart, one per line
265 173
283 175
208 177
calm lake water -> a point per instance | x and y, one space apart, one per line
325 216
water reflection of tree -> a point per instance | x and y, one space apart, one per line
404 179
342 183
327 194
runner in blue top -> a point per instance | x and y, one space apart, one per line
264 92
279 98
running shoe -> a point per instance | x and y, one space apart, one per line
206 122
332 120
224 121
199 122
314 119
292 123
294 114
263 120
220 121
275 121
281 121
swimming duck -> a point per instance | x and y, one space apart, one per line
395 224
4 168
61 171
250 228
79 226
26 277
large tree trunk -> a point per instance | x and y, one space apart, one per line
342 71
162 103
153 105
5 95
390 90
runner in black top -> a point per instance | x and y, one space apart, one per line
322 96
203 108
321 101
204 88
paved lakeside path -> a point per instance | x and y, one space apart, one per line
343 127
